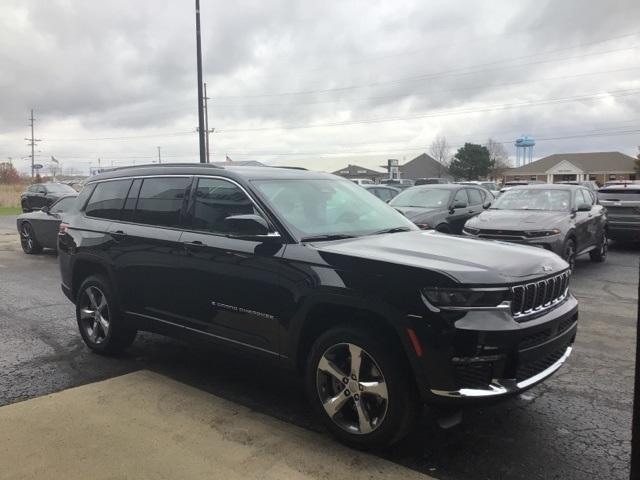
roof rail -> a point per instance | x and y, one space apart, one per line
206 165
290 168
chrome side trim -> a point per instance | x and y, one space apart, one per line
504 386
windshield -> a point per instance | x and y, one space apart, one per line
422 197
59 188
533 199
326 207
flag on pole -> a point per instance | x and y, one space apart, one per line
53 159
227 159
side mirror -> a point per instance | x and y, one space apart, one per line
250 226
583 207
486 205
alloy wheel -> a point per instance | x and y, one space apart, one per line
26 237
94 314
352 388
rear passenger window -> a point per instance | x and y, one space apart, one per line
107 199
215 200
474 196
461 196
160 201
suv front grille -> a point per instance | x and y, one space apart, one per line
530 298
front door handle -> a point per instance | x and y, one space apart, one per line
118 235
195 245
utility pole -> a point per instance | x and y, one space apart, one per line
203 158
206 121
159 157
32 143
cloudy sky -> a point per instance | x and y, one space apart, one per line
318 84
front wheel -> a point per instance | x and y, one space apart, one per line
100 321
599 254
570 253
360 388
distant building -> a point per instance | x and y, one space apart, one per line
356 171
597 166
240 163
423 166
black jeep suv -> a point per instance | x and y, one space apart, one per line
310 270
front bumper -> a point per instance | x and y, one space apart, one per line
484 355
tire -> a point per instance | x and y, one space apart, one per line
443 228
363 419
599 255
101 324
28 240
569 253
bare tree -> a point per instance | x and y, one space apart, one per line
440 151
499 158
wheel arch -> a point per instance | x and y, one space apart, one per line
84 268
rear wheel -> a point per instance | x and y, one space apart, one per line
443 228
360 388
570 253
599 254
28 240
99 318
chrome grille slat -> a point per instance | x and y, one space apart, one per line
530 298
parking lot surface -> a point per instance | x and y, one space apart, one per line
576 425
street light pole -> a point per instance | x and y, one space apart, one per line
201 132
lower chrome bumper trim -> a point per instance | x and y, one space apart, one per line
504 386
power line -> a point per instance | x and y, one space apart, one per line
431 92
585 98
424 76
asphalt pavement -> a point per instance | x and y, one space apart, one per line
576 425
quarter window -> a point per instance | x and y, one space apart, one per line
107 199
160 201
216 199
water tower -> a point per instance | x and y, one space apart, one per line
524 150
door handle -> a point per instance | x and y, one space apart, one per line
118 235
195 245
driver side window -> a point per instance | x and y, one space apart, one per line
216 199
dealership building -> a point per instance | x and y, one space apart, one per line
597 166
422 166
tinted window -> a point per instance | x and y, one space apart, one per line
160 201
132 199
41 189
423 197
384 194
32 188
84 195
475 198
461 196
107 199
59 188
63 205
215 200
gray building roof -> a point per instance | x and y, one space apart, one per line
423 166
591 162
356 171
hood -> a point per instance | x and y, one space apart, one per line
465 260
415 212
517 220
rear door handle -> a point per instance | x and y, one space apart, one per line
118 235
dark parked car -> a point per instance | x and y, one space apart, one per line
41 195
564 219
623 211
383 192
39 229
401 184
430 181
444 208
303 269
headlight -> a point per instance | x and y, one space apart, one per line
464 298
542 233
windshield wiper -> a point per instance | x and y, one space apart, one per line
391 230
335 236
